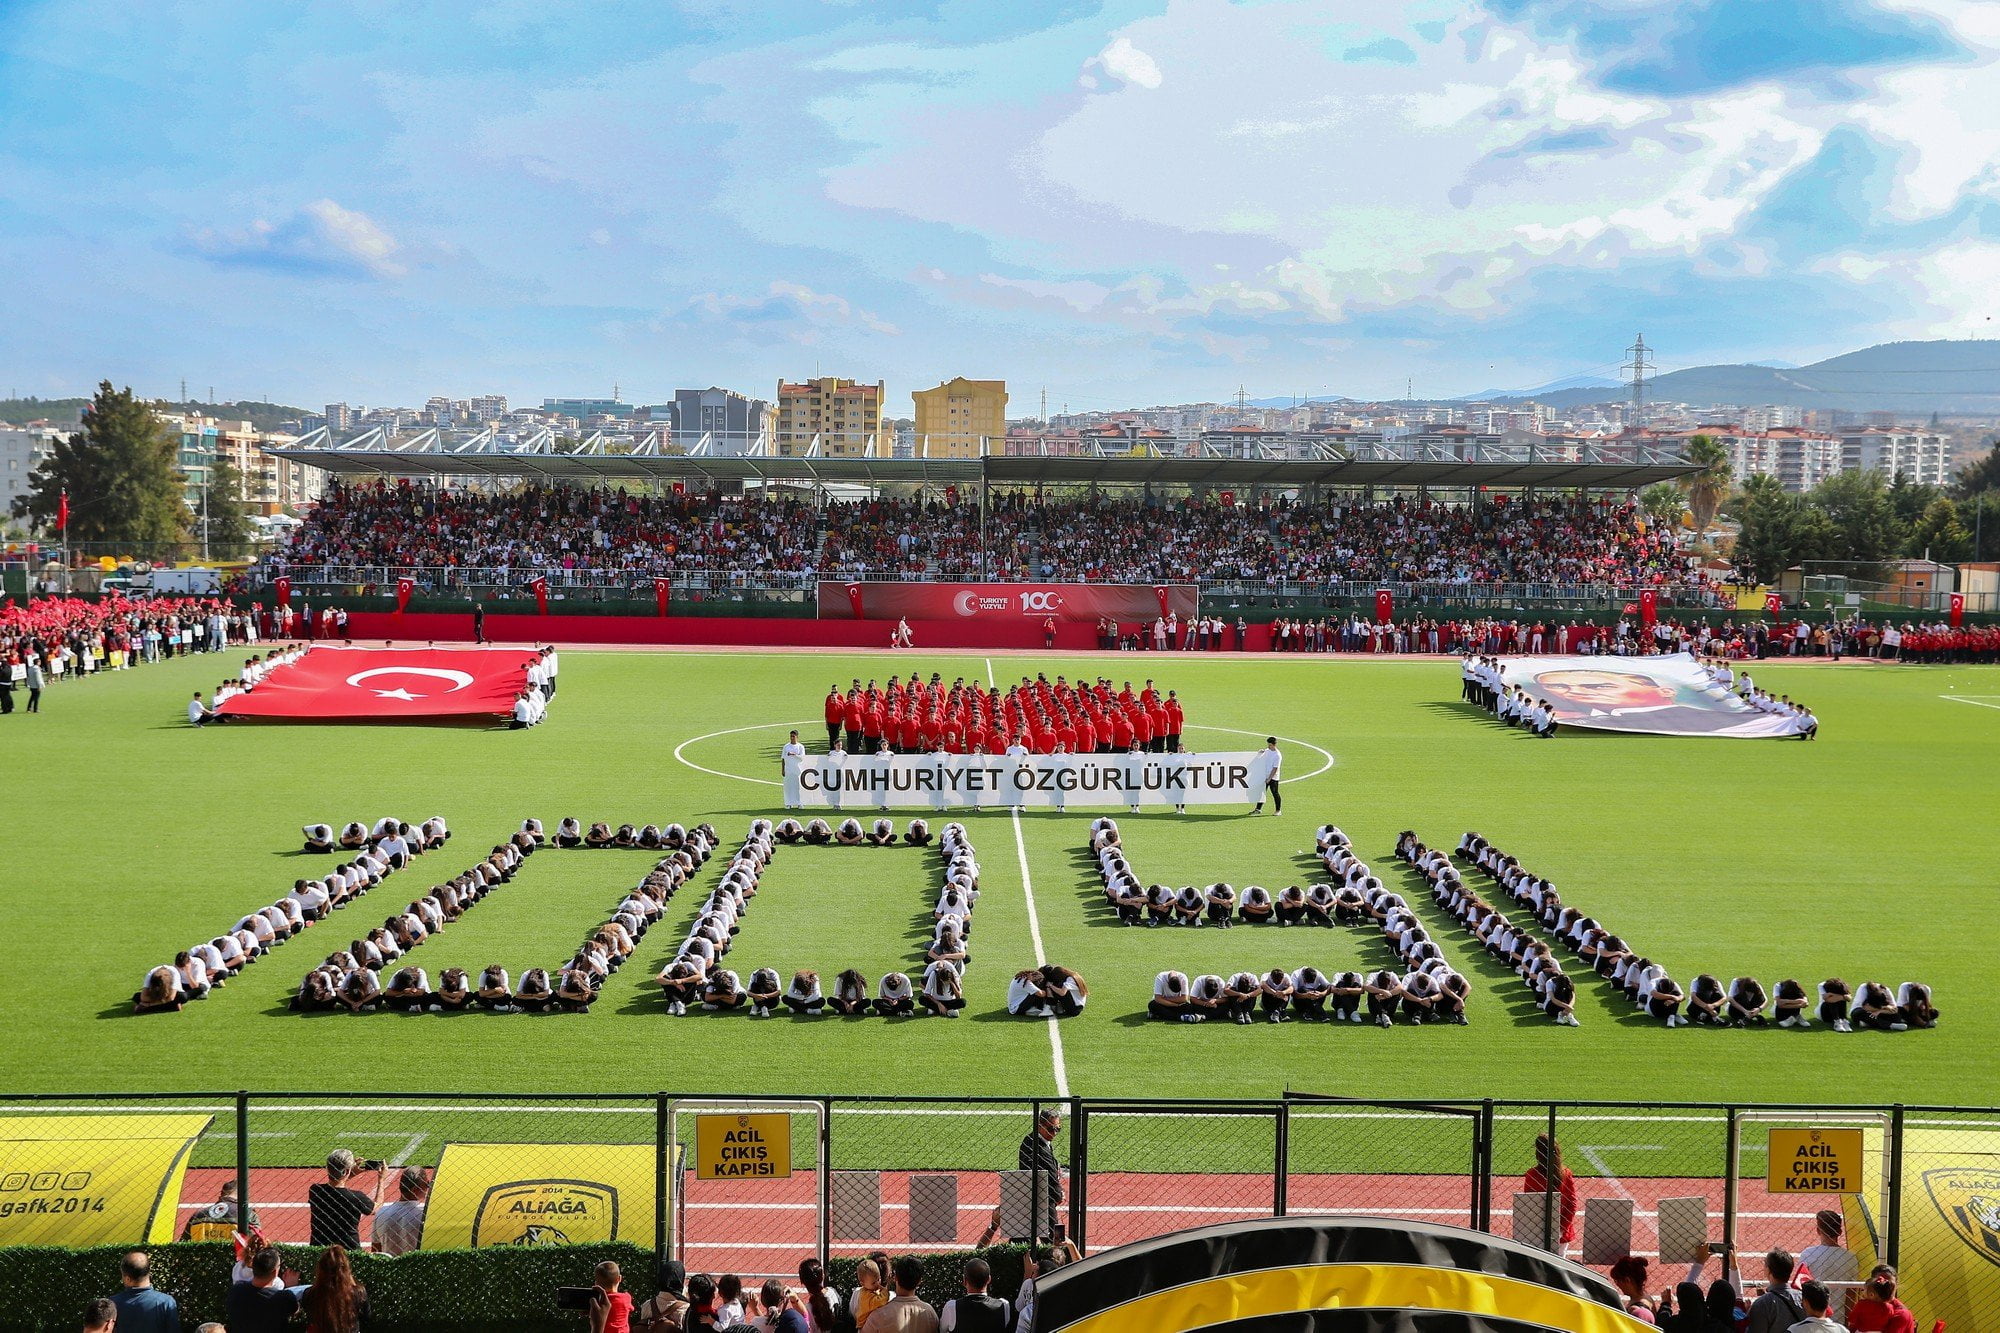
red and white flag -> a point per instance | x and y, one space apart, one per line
1774 604
1957 609
283 587
404 587
661 589
389 683
1385 606
1649 607
62 513
540 587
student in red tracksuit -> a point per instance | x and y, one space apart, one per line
852 720
1174 720
836 713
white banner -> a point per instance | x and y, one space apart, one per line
858 783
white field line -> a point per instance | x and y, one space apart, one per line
1035 929
1961 699
1593 1153
409 1149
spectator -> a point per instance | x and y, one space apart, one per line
1548 1164
335 1302
141 1306
100 1316
1629 1276
704 1306
978 1311
1828 1260
399 1227
1686 1311
262 1304
782 1311
871 1291
906 1312
1878 1310
610 1305
220 1220
336 1209
1817 1299
822 1301
1778 1308
666 1310
729 1293
1038 1260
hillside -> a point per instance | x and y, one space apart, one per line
68 411
1905 377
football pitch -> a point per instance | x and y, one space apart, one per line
1867 854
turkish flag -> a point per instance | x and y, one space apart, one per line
540 587
1774 604
1385 606
1629 609
854 599
660 590
404 587
1165 594
1957 609
62 513
283 587
1649 607
389 683
1228 498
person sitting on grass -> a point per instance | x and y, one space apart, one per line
1705 1000
1559 999
535 995
1420 995
1066 990
943 994
453 993
1914 1007
1290 907
598 835
1240 996
1206 997
894 996
160 993
360 991
316 992
1663 1001
803 996
918 834
1256 907
723 991
882 833
849 833
193 974
319 838
1384 992
945 946
1746 1003
409 990
818 833
1788 1004
850 994
574 991
1344 996
1275 995
763 991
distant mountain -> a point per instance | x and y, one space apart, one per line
1553 386
1289 401
69 411
1959 376
60 411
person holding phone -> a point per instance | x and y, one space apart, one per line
336 1208
610 1308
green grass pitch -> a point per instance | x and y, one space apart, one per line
1869 854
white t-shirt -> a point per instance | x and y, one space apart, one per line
1273 763
1020 994
1830 1263
793 750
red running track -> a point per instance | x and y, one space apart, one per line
763 1228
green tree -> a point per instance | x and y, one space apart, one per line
1863 515
225 529
122 474
1980 476
1663 504
1939 533
1708 488
1910 499
1770 520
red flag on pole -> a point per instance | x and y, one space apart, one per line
1385 606
1629 609
404 587
660 589
1774 603
1163 592
1649 607
854 599
540 587
62 513
283 586
1957 609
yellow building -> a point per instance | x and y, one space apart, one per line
846 417
956 419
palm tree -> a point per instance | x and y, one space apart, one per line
1663 504
1708 488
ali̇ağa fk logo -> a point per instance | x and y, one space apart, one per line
546 1212
1968 1198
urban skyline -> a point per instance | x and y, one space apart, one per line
1166 197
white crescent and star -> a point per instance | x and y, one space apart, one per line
459 679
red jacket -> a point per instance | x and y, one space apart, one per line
836 709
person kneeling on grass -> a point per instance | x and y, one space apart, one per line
944 993
849 833
893 996
850 994
763 991
1240 996
160 993
1275 995
1913 1002
408 991
1876 1008
1170 998
535 995
803 995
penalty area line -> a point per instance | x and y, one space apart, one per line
1961 699
1035 927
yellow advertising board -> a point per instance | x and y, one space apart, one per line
93 1179
540 1194
743 1147
1950 1256
1815 1161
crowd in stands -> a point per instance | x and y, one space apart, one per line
55 639
552 528
1043 717
696 976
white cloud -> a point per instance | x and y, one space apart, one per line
791 310
1125 63
321 238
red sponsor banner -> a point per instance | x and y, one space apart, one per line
1649 607
661 587
997 602
1957 609
283 587
1774 604
404 587
389 683
1385 606
540 587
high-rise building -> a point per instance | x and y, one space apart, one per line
845 417
1918 456
732 422
22 450
487 407
958 417
584 408
339 417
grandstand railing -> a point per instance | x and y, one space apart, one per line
636 584
937 1175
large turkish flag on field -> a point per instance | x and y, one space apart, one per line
389 683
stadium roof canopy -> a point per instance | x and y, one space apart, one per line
1594 465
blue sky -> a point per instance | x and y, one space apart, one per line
1122 202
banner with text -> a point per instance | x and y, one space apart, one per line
1031 602
532 1194
860 783
93 1179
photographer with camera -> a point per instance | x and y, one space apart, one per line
337 1209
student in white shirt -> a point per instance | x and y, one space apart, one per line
893 997
1026 995
943 994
